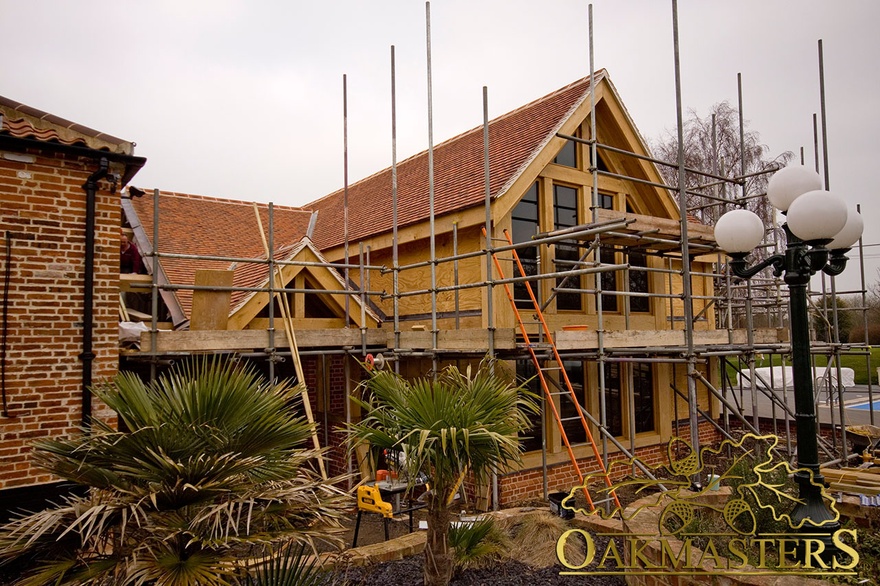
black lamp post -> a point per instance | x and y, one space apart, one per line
820 229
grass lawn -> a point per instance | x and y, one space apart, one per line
858 362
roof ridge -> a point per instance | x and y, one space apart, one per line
227 200
599 74
57 121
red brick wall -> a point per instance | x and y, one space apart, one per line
325 376
41 196
528 484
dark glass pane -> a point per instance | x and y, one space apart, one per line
609 279
613 404
606 202
568 155
643 397
525 224
525 370
565 212
638 283
568 412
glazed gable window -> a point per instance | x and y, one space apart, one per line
525 223
568 252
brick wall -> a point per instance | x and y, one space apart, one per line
325 377
41 197
528 484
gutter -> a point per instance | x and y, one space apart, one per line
132 164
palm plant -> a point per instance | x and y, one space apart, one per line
458 424
477 545
214 466
291 566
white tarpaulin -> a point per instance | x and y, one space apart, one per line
130 331
820 380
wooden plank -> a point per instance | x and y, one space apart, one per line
210 309
246 340
660 227
132 282
873 470
307 323
469 340
865 490
588 339
852 477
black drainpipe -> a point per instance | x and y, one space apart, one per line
87 356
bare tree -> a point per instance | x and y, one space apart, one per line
712 144
721 156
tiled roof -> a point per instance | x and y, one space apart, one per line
514 140
23 121
207 226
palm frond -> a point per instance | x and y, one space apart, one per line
216 460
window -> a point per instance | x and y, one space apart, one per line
606 202
565 212
643 396
638 282
525 221
600 162
617 402
613 403
532 439
568 412
609 278
628 386
568 155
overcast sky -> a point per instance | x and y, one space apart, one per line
243 99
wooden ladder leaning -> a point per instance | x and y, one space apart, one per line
568 393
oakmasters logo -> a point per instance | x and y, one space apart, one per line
740 523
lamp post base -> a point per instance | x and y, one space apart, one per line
818 523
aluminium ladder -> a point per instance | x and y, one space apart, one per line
569 392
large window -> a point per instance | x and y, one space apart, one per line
643 396
608 256
568 411
618 402
525 224
638 282
532 439
613 402
568 252
568 155
628 386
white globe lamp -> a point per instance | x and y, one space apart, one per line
789 183
817 215
739 231
850 233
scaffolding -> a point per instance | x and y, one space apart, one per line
736 306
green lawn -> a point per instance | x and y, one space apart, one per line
858 362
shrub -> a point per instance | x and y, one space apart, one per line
215 466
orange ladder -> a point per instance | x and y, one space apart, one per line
569 392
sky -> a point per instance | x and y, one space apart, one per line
244 99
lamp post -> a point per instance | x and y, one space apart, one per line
819 231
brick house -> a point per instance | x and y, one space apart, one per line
59 213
